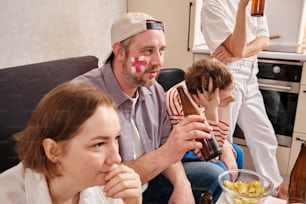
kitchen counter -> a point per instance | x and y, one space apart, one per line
203 49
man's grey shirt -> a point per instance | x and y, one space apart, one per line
151 116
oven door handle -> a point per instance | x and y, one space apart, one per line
275 87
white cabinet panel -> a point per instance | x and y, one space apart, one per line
295 149
282 156
300 117
303 80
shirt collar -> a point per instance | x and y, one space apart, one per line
113 87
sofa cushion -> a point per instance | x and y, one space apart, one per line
22 87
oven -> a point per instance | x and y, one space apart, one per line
279 83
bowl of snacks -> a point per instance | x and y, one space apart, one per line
248 188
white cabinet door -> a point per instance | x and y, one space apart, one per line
300 117
178 16
303 80
295 149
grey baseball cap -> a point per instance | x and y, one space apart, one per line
131 24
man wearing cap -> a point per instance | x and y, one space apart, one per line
147 143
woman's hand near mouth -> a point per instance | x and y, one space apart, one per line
123 182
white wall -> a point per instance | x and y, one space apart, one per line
39 30
287 19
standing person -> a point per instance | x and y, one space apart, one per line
69 153
147 143
209 85
235 37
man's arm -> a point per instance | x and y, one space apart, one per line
236 42
254 47
235 46
181 139
151 164
182 191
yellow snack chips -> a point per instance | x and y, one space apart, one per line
253 188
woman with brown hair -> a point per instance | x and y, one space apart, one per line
69 153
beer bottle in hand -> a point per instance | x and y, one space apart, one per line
258 7
206 198
210 148
297 185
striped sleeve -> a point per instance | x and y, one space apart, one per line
174 106
220 130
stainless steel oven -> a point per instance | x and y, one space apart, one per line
279 82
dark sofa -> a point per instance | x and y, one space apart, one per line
22 87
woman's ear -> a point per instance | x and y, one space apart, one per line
52 149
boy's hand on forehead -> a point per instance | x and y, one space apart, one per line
208 98
138 64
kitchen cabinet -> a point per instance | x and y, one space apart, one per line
299 126
178 16
295 149
301 110
282 156
300 117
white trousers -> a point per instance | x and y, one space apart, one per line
249 112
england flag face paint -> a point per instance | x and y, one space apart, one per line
138 64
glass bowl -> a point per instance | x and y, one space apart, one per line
247 194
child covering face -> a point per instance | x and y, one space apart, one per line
209 85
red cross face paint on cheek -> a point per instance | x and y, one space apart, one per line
138 64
